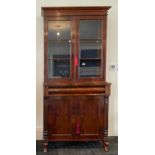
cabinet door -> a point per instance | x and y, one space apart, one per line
75 48
75 116
90 112
59 49
60 115
91 48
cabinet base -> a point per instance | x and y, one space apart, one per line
45 144
105 144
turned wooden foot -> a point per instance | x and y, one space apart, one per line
45 146
106 146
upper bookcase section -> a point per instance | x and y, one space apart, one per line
69 11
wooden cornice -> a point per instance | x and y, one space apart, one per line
67 11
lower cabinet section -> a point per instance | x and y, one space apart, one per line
75 118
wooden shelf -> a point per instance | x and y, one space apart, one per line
90 59
64 41
97 39
67 59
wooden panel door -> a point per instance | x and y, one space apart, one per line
59 116
91 115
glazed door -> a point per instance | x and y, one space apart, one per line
59 52
75 48
91 48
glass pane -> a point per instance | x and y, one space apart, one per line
59 48
59 68
90 68
90 29
90 48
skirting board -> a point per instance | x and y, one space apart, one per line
39 133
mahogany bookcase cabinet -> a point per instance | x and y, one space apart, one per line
76 94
